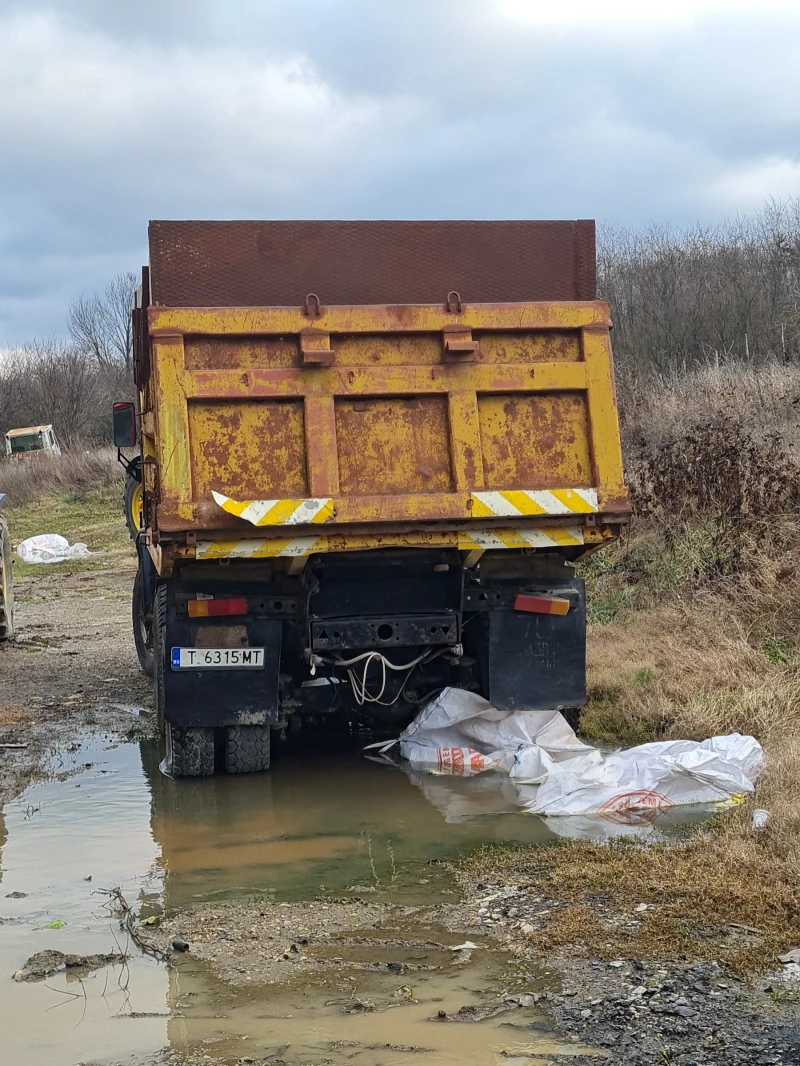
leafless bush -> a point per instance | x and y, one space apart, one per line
714 457
26 480
719 467
707 294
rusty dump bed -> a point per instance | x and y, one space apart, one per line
330 386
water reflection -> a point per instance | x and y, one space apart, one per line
322 823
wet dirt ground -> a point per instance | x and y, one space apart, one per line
323 921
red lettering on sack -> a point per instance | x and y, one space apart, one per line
642 805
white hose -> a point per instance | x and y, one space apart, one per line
359 685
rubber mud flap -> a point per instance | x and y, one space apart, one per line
247 748
190 752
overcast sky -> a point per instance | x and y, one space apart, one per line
113 112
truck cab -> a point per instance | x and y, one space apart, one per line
32 440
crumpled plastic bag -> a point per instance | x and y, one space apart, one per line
461 733
50 548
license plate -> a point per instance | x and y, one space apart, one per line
217 658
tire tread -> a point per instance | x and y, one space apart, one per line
247 748
191 751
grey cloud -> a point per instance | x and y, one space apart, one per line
312 108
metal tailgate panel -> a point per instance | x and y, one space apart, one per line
414 414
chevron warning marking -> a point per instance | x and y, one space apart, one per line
288 547
313 511
256 548
514 503
543 537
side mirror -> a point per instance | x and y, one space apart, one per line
124 425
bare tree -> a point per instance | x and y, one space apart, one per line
49 382
100 326
706 294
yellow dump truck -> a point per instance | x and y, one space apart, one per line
370 453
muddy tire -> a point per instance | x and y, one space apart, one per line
6 586
247 748
133 503
190 752
142 619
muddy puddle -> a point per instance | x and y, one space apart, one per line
317 828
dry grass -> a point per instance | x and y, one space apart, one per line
712 897
27 480
661 410
78 495
695 632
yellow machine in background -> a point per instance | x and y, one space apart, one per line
32 440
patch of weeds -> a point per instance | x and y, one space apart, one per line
700 893
643 676
609 605
76 496
785 995
779 651
607 718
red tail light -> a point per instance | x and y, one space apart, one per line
541 604
217 608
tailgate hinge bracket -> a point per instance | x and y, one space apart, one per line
315 348
458 345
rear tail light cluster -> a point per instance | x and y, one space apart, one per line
541 604
217 608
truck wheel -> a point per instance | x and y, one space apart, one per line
142 624
247 748
190 752
6 587
133 504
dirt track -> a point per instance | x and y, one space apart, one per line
72 666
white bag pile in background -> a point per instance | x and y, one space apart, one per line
50 548
461 733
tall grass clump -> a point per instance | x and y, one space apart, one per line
77 471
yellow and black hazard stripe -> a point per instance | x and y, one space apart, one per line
542 537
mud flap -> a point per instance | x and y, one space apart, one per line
538 661
221 697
